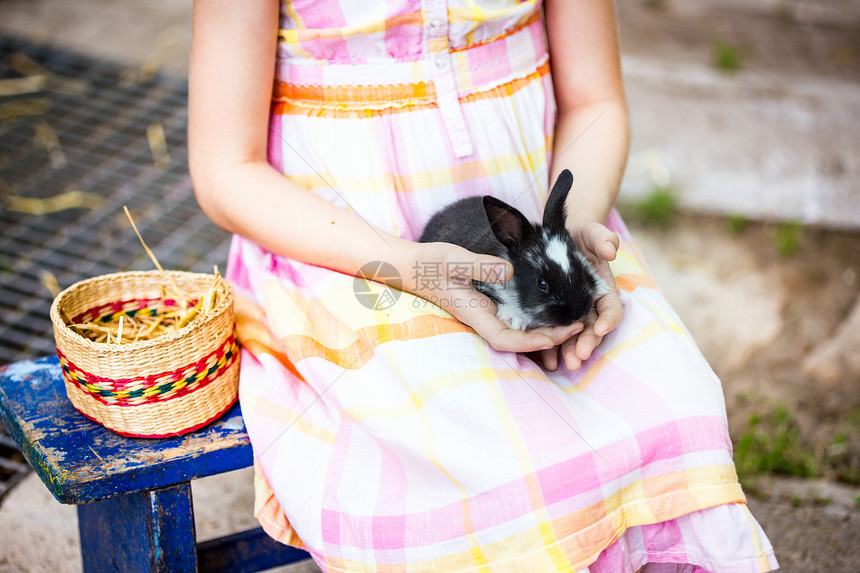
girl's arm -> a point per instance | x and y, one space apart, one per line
592 138
231 78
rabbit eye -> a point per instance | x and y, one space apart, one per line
542 286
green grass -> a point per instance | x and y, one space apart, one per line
736 224
770 445
787 237
726 57
839 456
659 207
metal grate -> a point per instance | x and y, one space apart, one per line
100 124
13 466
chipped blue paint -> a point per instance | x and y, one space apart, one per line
156 531
23 371
58 455
235 423
138 532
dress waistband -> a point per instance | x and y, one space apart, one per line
370 85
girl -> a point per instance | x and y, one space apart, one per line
398 424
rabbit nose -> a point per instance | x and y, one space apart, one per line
578 310
565 314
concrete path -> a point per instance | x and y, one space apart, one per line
775 139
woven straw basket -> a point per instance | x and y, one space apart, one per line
156 388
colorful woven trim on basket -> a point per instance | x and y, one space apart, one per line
110 312
158 387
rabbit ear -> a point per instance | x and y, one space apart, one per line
509 226
555 212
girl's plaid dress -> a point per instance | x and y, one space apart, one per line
389 436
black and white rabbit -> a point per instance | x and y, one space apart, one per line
553 283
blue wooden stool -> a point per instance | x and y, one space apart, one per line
133 495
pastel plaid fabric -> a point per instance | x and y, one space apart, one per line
390 437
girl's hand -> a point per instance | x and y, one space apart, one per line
599 245
443 274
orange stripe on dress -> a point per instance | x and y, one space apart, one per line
357 354
330 101
411 19
630 282
413 92
253 334
257 348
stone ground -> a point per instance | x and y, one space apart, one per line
774 307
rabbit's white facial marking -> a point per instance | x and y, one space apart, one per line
556 251
534 257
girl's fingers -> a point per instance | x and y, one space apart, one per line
607 245
505 339
549 358
609 314
586 342
568 354
597 239
502 338
560 334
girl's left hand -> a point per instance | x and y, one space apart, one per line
599 245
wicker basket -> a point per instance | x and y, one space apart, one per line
155 388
